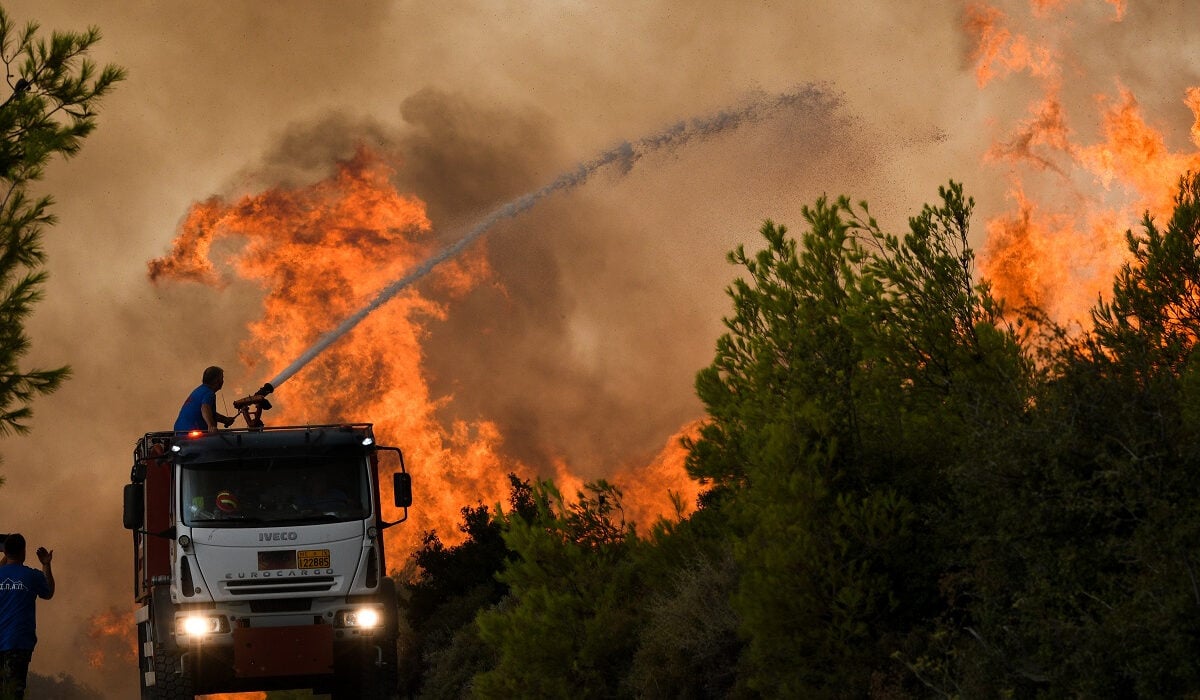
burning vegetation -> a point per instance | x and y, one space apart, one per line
1074 195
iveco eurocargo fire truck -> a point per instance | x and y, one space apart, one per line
259 561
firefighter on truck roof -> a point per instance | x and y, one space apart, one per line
199 410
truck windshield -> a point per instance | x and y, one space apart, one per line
275 490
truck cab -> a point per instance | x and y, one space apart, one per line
259 561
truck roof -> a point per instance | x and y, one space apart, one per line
251 442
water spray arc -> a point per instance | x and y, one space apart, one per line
622 157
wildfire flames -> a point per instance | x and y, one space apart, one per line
320 252
112 637
1061 246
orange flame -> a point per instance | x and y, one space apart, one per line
648 490
1061 247
1046 130
321 252
999 52
1136 155
1192 100
1033 257
111 634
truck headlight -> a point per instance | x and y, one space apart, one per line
200 625
362 618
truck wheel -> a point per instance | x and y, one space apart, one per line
169 682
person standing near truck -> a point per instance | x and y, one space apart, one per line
20 587
199 410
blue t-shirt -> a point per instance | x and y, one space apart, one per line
20 587
190 415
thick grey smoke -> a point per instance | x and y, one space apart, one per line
810 101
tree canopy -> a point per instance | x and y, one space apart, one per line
55 91
910 493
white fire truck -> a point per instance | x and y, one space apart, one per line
259 561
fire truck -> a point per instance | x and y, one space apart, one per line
259 561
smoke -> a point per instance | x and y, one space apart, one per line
606 299
806 102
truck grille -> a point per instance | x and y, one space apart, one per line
309 584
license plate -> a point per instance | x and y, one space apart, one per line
277 560
312 559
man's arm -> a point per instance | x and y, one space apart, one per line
210 416
45 557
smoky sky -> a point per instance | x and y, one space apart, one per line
510 351
603 302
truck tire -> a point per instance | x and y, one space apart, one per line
170 681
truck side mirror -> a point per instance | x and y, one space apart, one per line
402 489
134 508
